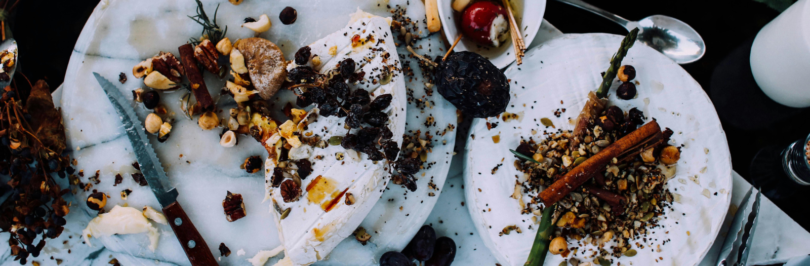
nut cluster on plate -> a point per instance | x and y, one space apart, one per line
621 203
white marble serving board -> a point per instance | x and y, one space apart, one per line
558 75
123 32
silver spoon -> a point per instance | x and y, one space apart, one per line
670 36
9 45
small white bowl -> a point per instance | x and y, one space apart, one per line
529 13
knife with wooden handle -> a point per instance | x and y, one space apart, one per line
193 244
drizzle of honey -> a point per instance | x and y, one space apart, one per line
336 196
320 233
496 138
358 41
319 188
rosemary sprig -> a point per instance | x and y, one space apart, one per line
524 157
211 30
541 241
616 63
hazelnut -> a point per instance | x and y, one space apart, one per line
288 15
163 133
259 26
350 199
153 123
615 114
252 164
234 207
208 120
670 155
142 69
361 235
605 123
316 61
238 62
158 81
97 201
228 139
647 155
137 95
225 46
626 91
626 73
290 190
558 245
150 99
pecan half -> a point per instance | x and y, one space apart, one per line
234 207
168 65
207 55
290 190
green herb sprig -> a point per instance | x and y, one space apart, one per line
541 241
210 28
616 63
524 157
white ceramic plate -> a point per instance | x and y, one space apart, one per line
123 32
528 13
559 74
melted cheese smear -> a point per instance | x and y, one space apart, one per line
321 188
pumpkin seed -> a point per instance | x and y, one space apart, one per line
630 252
335 140
547 122
647 217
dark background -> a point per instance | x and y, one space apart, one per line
46 32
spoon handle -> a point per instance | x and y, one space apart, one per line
601 12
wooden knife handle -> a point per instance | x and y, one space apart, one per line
193 244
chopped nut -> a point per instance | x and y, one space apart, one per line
154 215
208 120
207 55
225 46
238 62
228 139
142 69
136 95
252 164
647 155
622 184
670 155
361 235
163 133
97 201
233 125
259 26
558 245
153 123
234 207
241 94
168 65
125 193
350 199
158 81
290 190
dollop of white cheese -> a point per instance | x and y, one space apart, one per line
498 30
121 220
263 255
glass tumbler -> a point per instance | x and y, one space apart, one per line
780 171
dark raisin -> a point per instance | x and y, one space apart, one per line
376 118
346 68
360 96
368 135
302 75
349 141
473 84
151 99
385 133
304 100
304 168
443 253
343 112
357 77
423 243
626 91
224 251
339 89
317 95
288 15
381 102
303 54
393 258
525 149
329 107
615 114
635 116
373 153
249 20
408 166
355 117
391 150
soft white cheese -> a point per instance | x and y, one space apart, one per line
498 30
263 255
311 230
121 221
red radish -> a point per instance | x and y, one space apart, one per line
486 23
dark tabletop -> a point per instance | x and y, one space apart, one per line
46 32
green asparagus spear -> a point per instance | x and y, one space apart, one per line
541 241
616 63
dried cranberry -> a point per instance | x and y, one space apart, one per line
349 141
329 107
288 15
376 118
346 68
360 96
381 102
304 168
303 54
391 150
355 117
408 166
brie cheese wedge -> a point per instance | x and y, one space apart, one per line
311 226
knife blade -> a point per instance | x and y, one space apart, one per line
733 252
193 244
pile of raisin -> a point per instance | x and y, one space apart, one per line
473 84
424 247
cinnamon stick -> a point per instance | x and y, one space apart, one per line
195 76
580 174
615 201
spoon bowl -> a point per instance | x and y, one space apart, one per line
672 37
